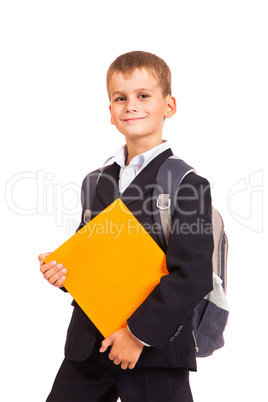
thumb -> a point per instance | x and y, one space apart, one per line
106 343
41 257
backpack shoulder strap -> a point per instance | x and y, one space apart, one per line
220 253
88 192
169 177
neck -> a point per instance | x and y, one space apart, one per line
137 147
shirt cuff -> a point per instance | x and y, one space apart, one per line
145 344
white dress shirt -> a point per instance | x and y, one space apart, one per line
128 173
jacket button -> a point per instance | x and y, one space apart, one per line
178 330
171 339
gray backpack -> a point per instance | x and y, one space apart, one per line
211 314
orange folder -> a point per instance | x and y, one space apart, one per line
113 264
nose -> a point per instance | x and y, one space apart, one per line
131 106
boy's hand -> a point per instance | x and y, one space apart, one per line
125 348
54 273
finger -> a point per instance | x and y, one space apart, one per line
59 283
106 343
124 365
46 267
41 257
57 277
117 361
111 356
131 365
55 273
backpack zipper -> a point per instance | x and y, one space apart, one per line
195 343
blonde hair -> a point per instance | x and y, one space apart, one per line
128 62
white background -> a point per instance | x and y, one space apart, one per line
55 128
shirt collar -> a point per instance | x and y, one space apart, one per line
143 159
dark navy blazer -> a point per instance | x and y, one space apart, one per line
164 319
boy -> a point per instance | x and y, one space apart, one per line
149 359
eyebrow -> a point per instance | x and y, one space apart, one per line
137 90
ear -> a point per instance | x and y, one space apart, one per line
110 108
171 106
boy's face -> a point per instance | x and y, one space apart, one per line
138 108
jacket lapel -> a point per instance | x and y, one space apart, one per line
107 187
145 181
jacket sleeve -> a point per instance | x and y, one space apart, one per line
189 262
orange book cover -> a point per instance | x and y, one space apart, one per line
113 264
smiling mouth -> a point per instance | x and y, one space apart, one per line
133 119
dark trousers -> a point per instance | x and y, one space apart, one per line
97 379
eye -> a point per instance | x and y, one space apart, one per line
143 96
120 99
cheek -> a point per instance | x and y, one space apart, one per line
116 111
113 116
157 114
155 109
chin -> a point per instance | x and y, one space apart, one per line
135 135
